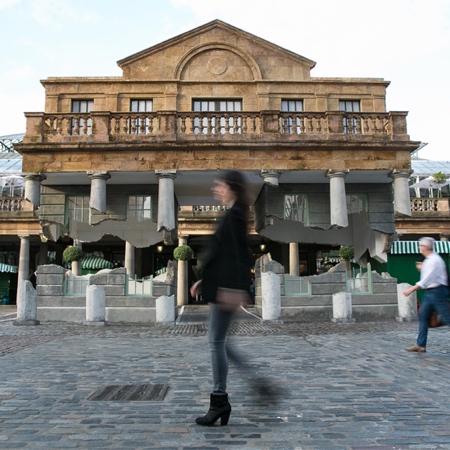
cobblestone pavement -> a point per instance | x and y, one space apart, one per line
347 386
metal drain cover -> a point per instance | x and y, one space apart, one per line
131 393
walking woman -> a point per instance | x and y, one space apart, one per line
225 285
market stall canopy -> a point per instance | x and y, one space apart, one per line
412 247
8 268
95 262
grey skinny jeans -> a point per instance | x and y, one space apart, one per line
219 323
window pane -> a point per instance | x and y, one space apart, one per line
296 207
140 207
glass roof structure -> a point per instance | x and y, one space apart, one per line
10 160
424 168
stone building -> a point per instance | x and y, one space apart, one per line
125 164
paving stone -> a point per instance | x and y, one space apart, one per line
347 386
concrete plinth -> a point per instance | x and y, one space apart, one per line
26 305
342 308
407 305
165 309
95 305
271 296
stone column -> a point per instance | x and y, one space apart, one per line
338 202
182 282
24 261
271 177
130 261
166 204
407 306
95 305
402 202
271 296
26 304
342 307
165 309
97 198
33 188
76 265
293 259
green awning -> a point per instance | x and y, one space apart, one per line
95 262
412 247
8 268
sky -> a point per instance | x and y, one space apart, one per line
406 42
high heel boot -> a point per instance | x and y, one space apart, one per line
219 408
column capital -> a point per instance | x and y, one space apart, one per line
171 174
404 173
271 177
337 173
35 177
99 175
23 236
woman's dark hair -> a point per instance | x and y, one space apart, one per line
238 184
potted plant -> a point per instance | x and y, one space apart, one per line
74 255
183 253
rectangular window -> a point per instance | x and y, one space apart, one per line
296 208
82 125
291 124
77 208
140 125
356 203
227 124
351 124
139 207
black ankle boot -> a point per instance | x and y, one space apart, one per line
219 408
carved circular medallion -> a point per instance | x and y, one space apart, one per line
217 66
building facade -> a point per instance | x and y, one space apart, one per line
124 164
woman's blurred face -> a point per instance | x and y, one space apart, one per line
223 193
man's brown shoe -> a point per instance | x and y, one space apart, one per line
416 348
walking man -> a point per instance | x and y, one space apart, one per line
434 280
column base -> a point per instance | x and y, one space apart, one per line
99 323
20 323
406 319
343 320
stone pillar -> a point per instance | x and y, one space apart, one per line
271 296
24 262
182 282
407 306
338 201
166 204
97 198
95 305
76 265
33 188
130 261
342 307
271 177
293 259
26 304
402 202
165 309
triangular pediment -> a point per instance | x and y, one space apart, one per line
216 51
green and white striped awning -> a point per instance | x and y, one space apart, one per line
412 247
95 262
8 268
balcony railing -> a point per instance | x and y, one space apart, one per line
193 126
428 205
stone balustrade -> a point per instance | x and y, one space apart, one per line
187 126
430 204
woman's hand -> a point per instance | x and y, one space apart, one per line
196 288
